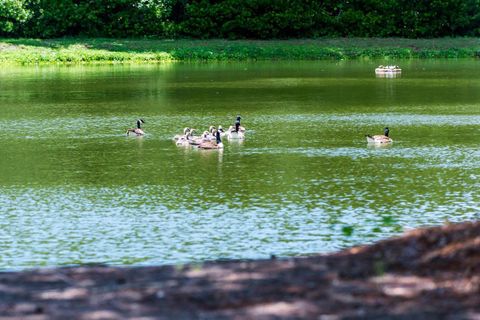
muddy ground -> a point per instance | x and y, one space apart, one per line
425 274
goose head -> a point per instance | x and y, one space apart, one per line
386 131
139 123
186 130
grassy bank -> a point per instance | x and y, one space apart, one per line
76 50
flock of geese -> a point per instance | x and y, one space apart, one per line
212 138
209 139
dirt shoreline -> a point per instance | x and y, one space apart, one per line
431 273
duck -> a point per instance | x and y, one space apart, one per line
138 130
209 145
380 139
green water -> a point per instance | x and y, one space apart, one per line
74 189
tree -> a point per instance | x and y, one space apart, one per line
12 14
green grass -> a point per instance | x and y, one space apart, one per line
98 50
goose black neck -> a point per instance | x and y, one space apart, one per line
237 123
139 123
217 136
386 132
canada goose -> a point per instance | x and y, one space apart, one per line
185 131
208 135
189 139
233 134
380 138
222 132
217 144
196 140
138 130
184 140
238 126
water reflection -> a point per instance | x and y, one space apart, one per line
380 145
237 142
388 75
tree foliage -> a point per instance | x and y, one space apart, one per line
307 18
12 15
107 18
239 19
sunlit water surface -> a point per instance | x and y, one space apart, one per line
74 189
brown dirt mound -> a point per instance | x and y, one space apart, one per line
428 273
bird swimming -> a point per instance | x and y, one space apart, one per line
238 126
232 134
217 144
236 131
138 130
184 140
380 139
186 130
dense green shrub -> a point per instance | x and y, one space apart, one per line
112 18
237 19
12 15
262 19
297 18
412 19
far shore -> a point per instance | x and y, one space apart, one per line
431 273
102 50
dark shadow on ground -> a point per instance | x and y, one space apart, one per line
116 45
427 274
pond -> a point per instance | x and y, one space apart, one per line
75 189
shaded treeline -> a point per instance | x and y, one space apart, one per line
239 19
